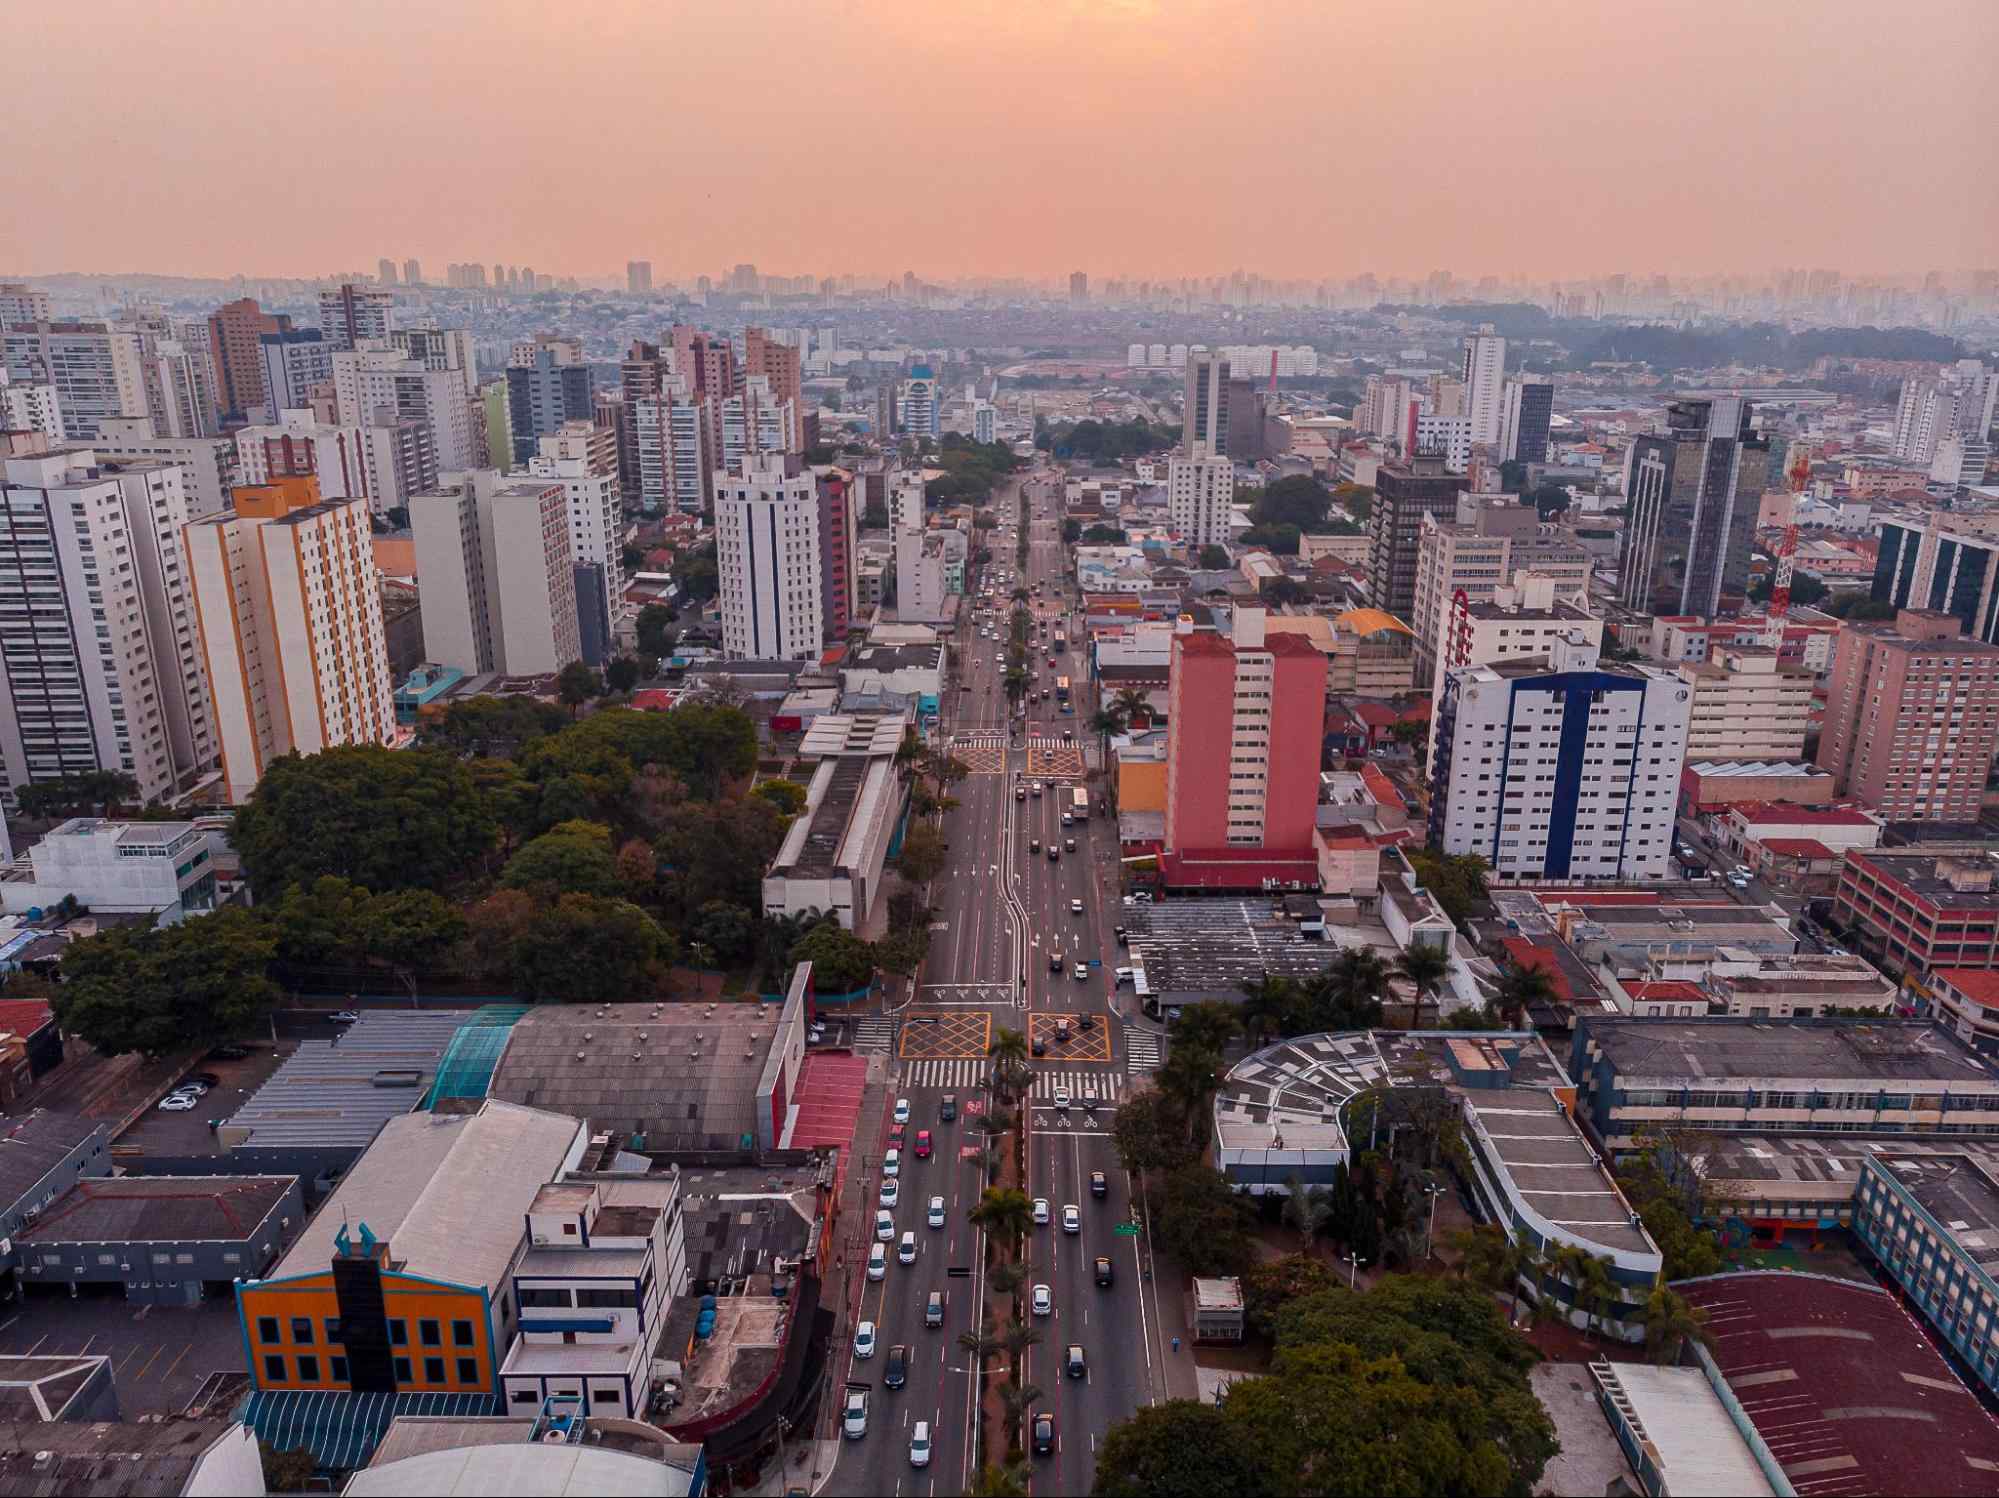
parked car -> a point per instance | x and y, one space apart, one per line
346 1016
864 1340
1043 1301
178 1102
884 1227
228 1053
877 1262
854 1423
892 1163
901 1110
906 1252
891 1192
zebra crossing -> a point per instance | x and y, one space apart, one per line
951 1076
1049 741
1082 1086
963 1076
874 1034
1144 1050
978 741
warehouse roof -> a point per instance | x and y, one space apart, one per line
1726 1048
334 1093
160 1209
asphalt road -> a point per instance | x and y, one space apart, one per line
1002 912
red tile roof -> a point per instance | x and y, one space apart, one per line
1531 954
1237 868
24 1017
1379 785
1677 990
1791 814
1798 847
1977 984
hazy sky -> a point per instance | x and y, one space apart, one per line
1153 137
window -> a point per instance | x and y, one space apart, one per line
403 1374
523 1396
433 1370
430 1332
468 1370
267 1328
461 1334
302 1330
274 1368
604 1396
337 1369
308 1370
399 1334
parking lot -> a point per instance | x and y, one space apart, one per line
160 1357
181 1135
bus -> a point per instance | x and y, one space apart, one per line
1062 692
1061 641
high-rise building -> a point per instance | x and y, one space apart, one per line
290 609
21 305
31 406
99 657
384 461
1200 495
1559 768
638 277
351 315
1488 544
1747 705
1484 371
1519 620
1446 437
1205 405
596 532
672 433
1912 717
97 371
753 420
1079 286
208 465
498 578
385 386
1245 726
1648 487
1942 564
985 422
922 412
1527 406
769 552
776 362
441 348
385 271
839 534
542 396
1957 402
235 330
294 362
1733 466
1405 493
412 272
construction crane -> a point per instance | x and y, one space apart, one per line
1787 550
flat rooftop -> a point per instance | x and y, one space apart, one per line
1700 1449
160 1209
1959 1193
1934 879
61 1459
1807 1053
1846 1391
1215 946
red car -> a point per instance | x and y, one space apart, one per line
895 1135
923 1144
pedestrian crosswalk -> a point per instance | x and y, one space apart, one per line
978 741
1049 741
874 1034
1082 1086
1144 1050
964 1076
950 1076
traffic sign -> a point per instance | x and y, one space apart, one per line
1126 1230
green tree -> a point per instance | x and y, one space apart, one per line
728 931
1103 535
1456 879
1212 558
411 930
1072 532
320 925
82 793
695 573
576 684
586 947
1357 500
1279 591
621 673
1180 1449
1209 1025
923 853
657 630
1299 500
841 961
630 558
788 796
499 726
1271 1284
287 1471
1522 989
1425 967
1004 1212
385 819
571 858
1191 1077
156 990
1672 1321
1203 1223
1280 540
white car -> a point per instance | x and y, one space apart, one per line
902 1110
907 1251
1040 1212
1072 1218
1075 907
919 1445
891 1192
180 1102
1043 1300
884 1228
854 1424
877 1262
936 1211
1082 972
1124 976
864 1340
892 1163
1061 1105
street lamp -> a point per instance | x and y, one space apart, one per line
1353 1276
1430 1232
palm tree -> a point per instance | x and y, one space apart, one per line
1191 1077
1307 1211
1596 1290
1006 1279
1132 702
1104 723
1528 1262
1003 1211
1007 1045
1425 967
1209 1025
1017 1339
1267 1003
983 1343
1671 1321
1521 989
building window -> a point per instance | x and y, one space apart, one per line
468 1370
430 1332
332 1328
403 1374
461 1334
267 1328
433 1370
308 1370
337 1369
399 1333
274 1368
302 1330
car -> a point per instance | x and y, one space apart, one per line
1123 936
1106 1276
1034 845
1100 1185
854 1421
1068 736
923 1144
919 1444
877 1262
178 1102
1068 819
1123 975
1082 971
948 1108
933 1309
189 1089
864 1340
884 1227
1036 787
346 1016
1020 793
1039 1046
1061 1100
896 1372
1068 845
1054 853
1042 1301
1073 1362
891 1192
936 1216
1075 907
1054 962
1072 1218
205 1078
1041 1211
901 1111
1044 1433
906 1250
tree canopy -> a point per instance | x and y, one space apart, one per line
1298 499
154 990
1104 441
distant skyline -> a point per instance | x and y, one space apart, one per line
1299 139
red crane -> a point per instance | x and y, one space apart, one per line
1787 549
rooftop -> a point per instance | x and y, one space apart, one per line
1727 768
1960 1193
679 1077
34 1389
339 1093
33 1146
1948 883
1844 1388
1214 946
1679 1413
160 1209
1806 1052
57 1459
1790 814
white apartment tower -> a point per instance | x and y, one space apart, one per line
374 386
1484 373
596 520
100 664
31 406
495 568
290 607
676 450
768 549
350 315
1958 402
1560 769
1200 490
97 370
208 464
1205 402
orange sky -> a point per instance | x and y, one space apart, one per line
1151 137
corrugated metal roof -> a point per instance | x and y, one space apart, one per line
342 1429
335 1093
